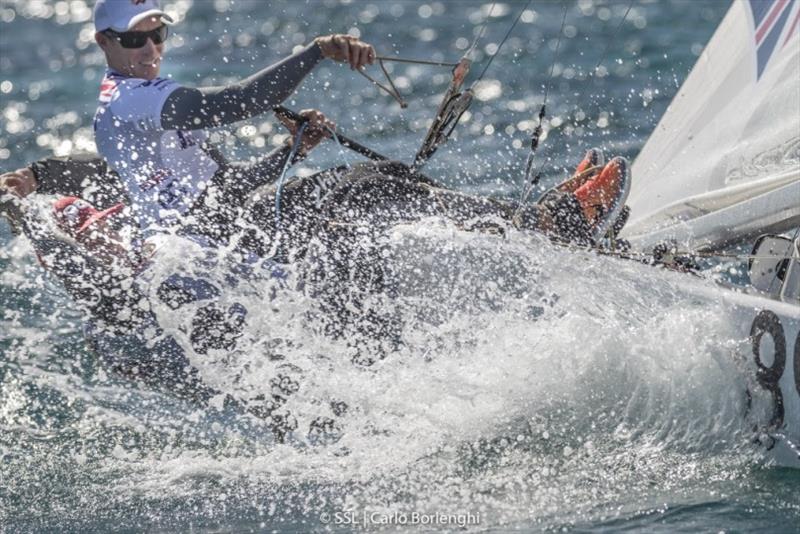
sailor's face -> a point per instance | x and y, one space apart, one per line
143 62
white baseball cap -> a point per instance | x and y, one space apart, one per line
122 15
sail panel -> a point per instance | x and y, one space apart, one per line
775 211
730 136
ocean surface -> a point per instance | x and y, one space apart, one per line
537 389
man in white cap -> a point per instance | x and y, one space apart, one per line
151 129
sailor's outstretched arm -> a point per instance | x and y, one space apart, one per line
67 176
70 176
190 109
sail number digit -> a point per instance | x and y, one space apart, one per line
766 322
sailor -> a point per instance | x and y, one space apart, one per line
88 175
370 197
151 129
108 274
569 212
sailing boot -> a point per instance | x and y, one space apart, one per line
603 198
587 169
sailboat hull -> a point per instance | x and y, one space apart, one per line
772 355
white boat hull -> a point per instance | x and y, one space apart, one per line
773 355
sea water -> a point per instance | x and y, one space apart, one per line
536 388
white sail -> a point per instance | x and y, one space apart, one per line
724 162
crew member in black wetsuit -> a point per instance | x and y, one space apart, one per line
384 192
366 199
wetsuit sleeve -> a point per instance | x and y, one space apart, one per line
190 109
85 176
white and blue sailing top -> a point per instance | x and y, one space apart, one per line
164 171
158 152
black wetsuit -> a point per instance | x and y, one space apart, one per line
333 209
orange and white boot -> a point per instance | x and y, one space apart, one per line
587 169
603 198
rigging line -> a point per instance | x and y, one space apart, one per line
416 61
482 31
446 113
529 183
454 103
391 83
555 55
613 35
332 131
298 137
500 46
390 91
463 100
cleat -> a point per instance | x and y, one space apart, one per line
603 198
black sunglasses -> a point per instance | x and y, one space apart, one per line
139 39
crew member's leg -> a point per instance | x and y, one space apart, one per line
280 223
218 210
347 271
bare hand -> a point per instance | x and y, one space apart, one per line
13 186
317 128
21 182
346 49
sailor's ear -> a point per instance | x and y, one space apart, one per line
102 40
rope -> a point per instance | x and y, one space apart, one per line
342 151
511 29
392 89
282 180
451 112
416 61
482 31
292 153
528 184
613 35
555 55
393 92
